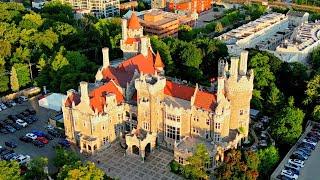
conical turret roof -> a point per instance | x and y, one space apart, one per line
134 22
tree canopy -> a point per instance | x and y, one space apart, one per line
9 170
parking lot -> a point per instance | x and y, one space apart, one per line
28 148
310 171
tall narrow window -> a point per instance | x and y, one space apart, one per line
217 125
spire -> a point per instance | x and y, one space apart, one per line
134 22
158 62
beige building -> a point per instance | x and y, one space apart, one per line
135 103
162 23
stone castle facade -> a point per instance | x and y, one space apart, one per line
135 103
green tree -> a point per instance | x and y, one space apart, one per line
65 157
5 48
23 74
4 80
190 55
21 55
274 99
287 124
316 113
269 158
14 80
59 61
80 171
197 162
9 170
315 58
219 27
31 21
36 168
313 90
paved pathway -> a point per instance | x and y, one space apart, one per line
117 165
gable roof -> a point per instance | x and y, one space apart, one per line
98 95
74 97
133 22
158 62
205 100
178 90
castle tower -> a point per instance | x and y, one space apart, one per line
238 88
150 95
133 42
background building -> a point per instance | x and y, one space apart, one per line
100 8
189 6
161 23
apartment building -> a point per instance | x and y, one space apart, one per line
189 6
303 40
137 104
99 8
162 23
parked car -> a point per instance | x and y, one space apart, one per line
38 133
297 172
309 141
306 150
11 144
42 139
48 136
16 126
296 162
12 103
31 135
19 116
32 112
4 131
296 156
2 149
37 143
64 143
23 159
289 174
23 98
301 154
3 106
12 117
22 123
53 133
10 128
18 101
9 156
28 120
25 139
306 145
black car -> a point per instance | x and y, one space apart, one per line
34 118
12 117
38 143
25 139
6 151
28 120
10 144
31 111
2 124
48 136
25 113
4 131
8 121
9 156
18 100
307 145
2 149
10 128
53 133
16 126
7 104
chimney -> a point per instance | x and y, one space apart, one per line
220 88
243 63
84 92
221 65
124 29
105 57
144 46
234 66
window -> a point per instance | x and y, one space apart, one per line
196 118
146 126
120 117
217 126
217 137
173 133
180 160
173 117
105 140
241 112
208 121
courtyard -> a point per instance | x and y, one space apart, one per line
120 166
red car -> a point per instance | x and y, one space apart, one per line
43 140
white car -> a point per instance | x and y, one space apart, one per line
3 106
12 103
309 142
23 159
289 174
31 135
296 162
292 166
21 123
23 98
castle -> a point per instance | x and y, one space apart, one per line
135 103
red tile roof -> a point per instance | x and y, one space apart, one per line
97 96
134 22
205 100
132 40
158 62
178 90
124 72
74 97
